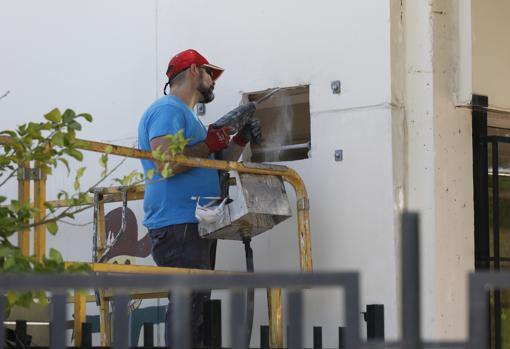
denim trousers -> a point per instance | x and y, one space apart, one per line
181 246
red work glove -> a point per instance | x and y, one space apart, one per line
251 132
217 139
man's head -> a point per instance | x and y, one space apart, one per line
191 68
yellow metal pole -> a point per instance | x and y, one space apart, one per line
80 316
104 308
274 303
40 213
24 197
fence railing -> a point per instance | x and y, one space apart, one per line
294 283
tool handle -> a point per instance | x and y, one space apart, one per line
237 116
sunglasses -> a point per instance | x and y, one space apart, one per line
208 70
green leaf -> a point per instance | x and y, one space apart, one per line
167 171
66 164
108 149
54 115
157 154
9 133
11 297
79 174
52 227
68 115
9 262
49 206
103 161
41 298
58 139
74 125
56 256
150 173
2 199
62 194
86 116
74 153
24 299
6 251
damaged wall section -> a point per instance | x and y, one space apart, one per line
285 120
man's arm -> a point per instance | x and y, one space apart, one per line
199 150
216 140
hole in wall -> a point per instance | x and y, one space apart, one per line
285 121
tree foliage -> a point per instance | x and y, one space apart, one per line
51 144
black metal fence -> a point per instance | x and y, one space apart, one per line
294 283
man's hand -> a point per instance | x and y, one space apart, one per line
217 139
251 132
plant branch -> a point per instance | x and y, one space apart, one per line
101 180
61 215
5 94
76 224
8 177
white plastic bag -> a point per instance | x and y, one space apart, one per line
209 214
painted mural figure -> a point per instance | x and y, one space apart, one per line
169 209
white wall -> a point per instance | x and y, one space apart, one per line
109 59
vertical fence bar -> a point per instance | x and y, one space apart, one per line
120 321
317 337
264 337
80 308
478 314
352 308
40 213
148 334
274 303
341 337
410 262
21 332
212 322
295 316
24 198
480 181
86 335
237 320
181 327
375 321
3 303
496 240
58 321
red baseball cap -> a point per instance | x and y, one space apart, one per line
183 60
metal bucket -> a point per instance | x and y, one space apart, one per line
259 202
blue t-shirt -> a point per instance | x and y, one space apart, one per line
168 201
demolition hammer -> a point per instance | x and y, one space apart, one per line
238 117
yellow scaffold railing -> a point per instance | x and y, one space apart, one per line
113 194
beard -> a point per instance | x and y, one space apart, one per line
206 92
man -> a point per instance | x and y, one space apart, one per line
169 210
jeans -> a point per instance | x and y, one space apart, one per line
180 246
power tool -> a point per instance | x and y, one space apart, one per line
235 119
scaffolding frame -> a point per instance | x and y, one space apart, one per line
113 194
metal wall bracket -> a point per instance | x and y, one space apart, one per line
30 174
336 87
200 109
339 155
